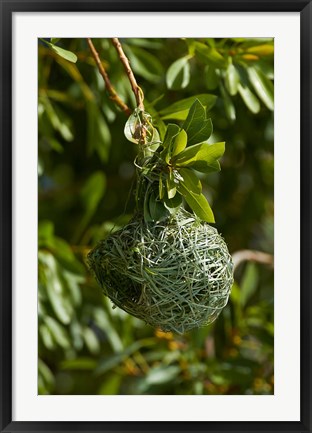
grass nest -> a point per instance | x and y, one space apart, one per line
175 274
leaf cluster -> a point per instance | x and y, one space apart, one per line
170 172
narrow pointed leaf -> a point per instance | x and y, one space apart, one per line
161 188
262 50
263 87
171 185
212 77
228 104
249 98
231 79
178 74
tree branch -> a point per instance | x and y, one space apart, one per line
112 92
135 88
252 256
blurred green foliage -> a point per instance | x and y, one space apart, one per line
86 180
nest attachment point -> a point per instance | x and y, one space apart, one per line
176 274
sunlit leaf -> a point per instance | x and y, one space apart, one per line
171 185
249 98
179 110
190 181
91 340
58 332
263 87
232 79
179 143
210 55
67 55
198 203
197 127
200 154
261 50
178 74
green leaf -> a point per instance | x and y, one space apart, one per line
79 364
55 288
146 209
103 321
204 167
178 74
179 143
45 232
197 127
162 374
228 104
171 185
179 110
156 208
190 180
262 50
91 340
212 77
249 283
198 203
171 132
54 40
91 195
231 79
67 55
249 98
46 337
161 188
173 204
58 119
46 379
58 332
144 63
199 156
210 55
92 192
263 87
98 132
111 385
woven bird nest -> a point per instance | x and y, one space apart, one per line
176 274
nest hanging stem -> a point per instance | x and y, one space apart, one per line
135 88
111 90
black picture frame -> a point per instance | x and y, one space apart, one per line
7 10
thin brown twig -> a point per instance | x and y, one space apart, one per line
112 92
252 256
135 88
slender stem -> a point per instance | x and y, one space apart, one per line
135 88
112 92
252 256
